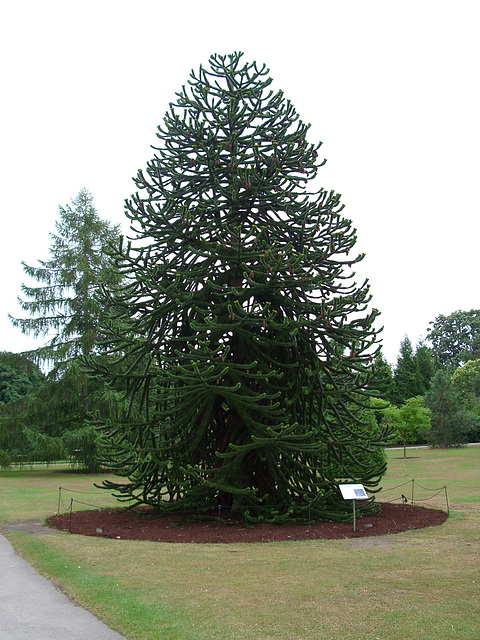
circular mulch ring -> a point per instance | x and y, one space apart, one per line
129 525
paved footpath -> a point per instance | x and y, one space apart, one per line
32 608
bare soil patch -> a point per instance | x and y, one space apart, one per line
138 525
30 526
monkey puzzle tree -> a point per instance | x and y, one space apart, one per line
248 341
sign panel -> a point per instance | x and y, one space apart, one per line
353 491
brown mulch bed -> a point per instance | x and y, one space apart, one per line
129 525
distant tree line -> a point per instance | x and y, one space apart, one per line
433 391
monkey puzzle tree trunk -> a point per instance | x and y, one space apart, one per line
248 342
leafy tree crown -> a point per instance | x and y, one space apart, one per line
455 338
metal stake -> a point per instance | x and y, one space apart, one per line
218 522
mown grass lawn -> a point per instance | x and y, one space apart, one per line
419 584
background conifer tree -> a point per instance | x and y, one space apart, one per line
449 421
384 375
65 308
53 420
426 366
248 341
413 371
406 373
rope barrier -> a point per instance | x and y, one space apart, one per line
88 504
83 492
61 503
425 488
430 497
396 487
436 491
307 506
397 499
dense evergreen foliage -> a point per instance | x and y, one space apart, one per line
449 422
54 421
18 375
384 375
413 371
245 339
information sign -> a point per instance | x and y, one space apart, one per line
353 492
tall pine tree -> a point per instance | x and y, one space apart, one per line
413 371
406 373
449 423
65 308
248 341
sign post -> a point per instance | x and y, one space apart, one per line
353 492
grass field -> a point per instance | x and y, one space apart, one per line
415 585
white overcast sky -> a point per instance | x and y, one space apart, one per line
391 88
